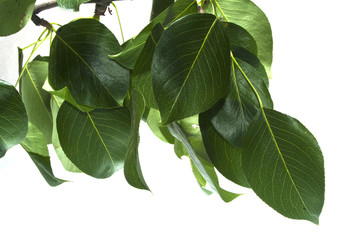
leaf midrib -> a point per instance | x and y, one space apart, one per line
191 68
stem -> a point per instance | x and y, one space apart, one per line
121 30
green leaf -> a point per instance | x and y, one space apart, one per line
80 62
158 6
240 38
55 104
35 145
141 75
249 16
130 54
96 141
154 122
225 157
206 169
132 169
37 100
232 115
13 118
71 4
284 165
14 15
191 67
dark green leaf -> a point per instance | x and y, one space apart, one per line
158 6
55 104
249 16
162 132
191 67
284 165
37 100
132 169
240 38
96 141
225 157
206 169
71 4
232 115
35 145
129 56
80 62
141 75
14 15
13 118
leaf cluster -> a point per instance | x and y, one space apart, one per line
197 74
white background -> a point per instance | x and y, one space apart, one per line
315 79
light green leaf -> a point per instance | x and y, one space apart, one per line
132 169
206 169
96 141
153 120
14 15
130 54
225 157
249 16
37 100
141 75
80 62
13 118
55 104
191 67
35 145
284 165
71 4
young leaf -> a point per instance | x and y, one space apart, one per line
249 16
80 62
191 67
132 169
225 157
55 104
284 165
130 54
13 118
141 75
71 4
36 146
37 100
96 141
206 169
14 15
158 6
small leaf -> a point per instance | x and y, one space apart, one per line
153 120
71 4
158 6
14 15
80 62
13 118
191 67
206 169
36 146
284 165
132 169
37 100
55 104
96 141
130 54
225 157
249 16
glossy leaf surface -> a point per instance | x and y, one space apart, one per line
71 4
132 169
225 157
129 56
14 15
158 6
240 38
96 141
80 62
284 165
13 118
191 67
35 145
249 16
37 100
